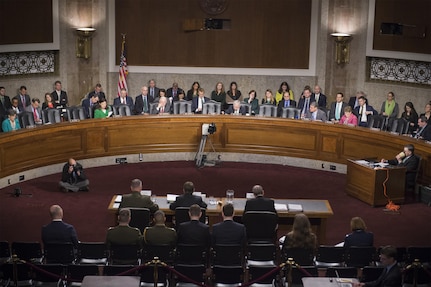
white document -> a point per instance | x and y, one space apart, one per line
249 195
116 205
280 207
109 114
171 197
294 207
146 192
363 162
118 198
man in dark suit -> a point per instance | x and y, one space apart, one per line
136 199
173 92
124 99
410 161
58 231
162 107
152 89
23 99
5 104
160 234
364 112
187 199
142 102
123 234
197 102
259 202
194 231
337 108
286 102
391 274
424 130
304 102
228 231
58 95
354 101
236 109
89 105
98 92
317 114
36 110
319 98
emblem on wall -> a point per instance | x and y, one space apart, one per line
213 7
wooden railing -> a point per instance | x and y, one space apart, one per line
50 144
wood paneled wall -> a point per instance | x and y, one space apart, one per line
263 34
414 15
26 22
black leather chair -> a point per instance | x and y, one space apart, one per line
227 254
342 272
196 272
124 254
371 273
51 116
301 256
75 113
92 253
122 110
291 113
77 272
329 256
232 275
5 254
182 107
360 256
191 254
260 226
61 253
140 218
421 253
26 120
28 251
211 108
268 111
165 253
261 254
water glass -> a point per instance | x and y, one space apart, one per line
229 196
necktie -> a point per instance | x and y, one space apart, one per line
23 101
35 114
145 104
152 92
286 104
306 106
162 110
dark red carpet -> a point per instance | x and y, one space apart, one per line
21 218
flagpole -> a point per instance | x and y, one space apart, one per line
122 77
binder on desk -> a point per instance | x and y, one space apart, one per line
294 207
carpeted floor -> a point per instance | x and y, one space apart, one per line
21 218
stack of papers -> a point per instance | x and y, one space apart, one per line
171 197
280 207
118 198
294 207
146 192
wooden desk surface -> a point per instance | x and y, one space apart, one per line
314 208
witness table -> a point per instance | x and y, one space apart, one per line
318 211
111 281
328 282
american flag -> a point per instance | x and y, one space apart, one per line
122 83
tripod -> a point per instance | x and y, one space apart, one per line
201 158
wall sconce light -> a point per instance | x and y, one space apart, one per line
83 42
342 49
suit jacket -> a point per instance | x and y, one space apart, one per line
135 199
123 235
156 92
193 232
7 127
63 97
320 116
187 200
129 102
394 112
281 105
160 235
392 278
228 232
412 165
86 105
155 110
195 104
242 110
333 110
368 109
260 203
426 133
101 95
170 94
139 104
27 101
4 107
39 111
59 232
359 237
352 102
322 100
301 104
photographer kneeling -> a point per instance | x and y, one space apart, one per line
73 177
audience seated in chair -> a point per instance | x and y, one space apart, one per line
160 234
58 231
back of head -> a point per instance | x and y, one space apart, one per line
195 210
188 187
56 212
389 251
301 224
257 190
124 215
136 185
228 210
159 217
356 223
